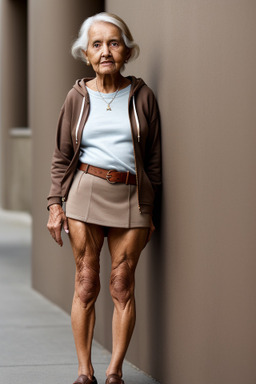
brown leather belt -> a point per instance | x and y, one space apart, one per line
112 176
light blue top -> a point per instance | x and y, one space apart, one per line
107 138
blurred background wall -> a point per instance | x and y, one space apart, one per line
196 283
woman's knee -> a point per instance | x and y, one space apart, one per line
122 283
87 286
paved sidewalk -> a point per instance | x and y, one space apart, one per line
35 335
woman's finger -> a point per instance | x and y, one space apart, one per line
58 238
151 230
65 225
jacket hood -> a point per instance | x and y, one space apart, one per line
80 87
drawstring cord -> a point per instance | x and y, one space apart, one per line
79 120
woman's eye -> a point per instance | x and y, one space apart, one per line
96 45
114 44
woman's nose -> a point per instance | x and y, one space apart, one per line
105 50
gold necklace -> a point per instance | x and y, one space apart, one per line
103 98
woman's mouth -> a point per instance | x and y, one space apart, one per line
106 62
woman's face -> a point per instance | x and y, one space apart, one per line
106 49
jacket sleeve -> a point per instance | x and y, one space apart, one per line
62 155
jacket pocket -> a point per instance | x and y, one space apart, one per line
147 190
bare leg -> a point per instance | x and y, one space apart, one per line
125 246
86 240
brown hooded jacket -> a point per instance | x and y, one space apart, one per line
145 126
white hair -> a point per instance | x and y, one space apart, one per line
81 42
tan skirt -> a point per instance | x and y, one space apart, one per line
94 200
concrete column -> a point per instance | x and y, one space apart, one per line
53 25
13 91
1 133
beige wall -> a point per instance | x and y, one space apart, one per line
196 280
196 321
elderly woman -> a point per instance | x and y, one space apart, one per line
106 166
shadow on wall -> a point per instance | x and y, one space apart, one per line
157 267
156 292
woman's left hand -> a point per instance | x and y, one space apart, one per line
57 220
151 230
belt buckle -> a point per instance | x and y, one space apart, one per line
108 176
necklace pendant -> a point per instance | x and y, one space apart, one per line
109 108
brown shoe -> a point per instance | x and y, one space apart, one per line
83 379
114 379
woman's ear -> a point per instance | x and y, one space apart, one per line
86 58
128 55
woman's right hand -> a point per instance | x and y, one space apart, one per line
57 220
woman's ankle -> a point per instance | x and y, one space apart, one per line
114 370
86 370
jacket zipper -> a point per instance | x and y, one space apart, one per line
136 119
136 169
